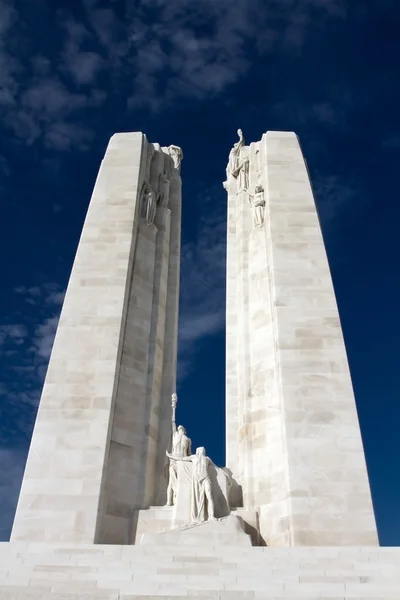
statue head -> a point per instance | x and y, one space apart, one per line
201 451
181 429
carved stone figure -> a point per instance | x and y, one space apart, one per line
156 168
176 154
242 175
237 169
163 190
181 444
202 504
181 447
257 202
149 204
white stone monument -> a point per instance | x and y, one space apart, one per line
97 454
293 438
114 504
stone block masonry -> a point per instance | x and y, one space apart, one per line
30 571
293 438
104 416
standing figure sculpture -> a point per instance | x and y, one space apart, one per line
238 169
176 154
163 190
181 447
202 503
257 203
149 204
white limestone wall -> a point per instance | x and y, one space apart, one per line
114 572
61 487
124 479
93 453
293 439
328 482
256 443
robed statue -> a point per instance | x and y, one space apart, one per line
181 447
238 168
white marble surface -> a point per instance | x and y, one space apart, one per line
293 437
211 571
104 415
185 508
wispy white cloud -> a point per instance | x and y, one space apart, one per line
333 194
391 141
29 342
157 53
26 342
14 333
43 338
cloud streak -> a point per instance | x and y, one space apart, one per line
27 343
157 53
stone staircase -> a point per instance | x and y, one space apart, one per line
30 571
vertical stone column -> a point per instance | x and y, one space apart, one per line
170 336
298 452
91 462
132 476
255 422
156 371
231 424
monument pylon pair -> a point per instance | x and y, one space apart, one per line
296 473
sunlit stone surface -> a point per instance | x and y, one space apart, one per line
98 448
293 438
291 514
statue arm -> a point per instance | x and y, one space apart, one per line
186 458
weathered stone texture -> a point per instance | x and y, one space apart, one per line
293 438
87 572
93 456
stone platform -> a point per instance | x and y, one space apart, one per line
33 571
228 531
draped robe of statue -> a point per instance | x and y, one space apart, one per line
202 504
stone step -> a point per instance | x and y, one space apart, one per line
39 571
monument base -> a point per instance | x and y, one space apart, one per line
160 519
35 571
220 532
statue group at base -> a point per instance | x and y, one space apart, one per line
202 503
195 478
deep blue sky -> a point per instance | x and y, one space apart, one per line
189 72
